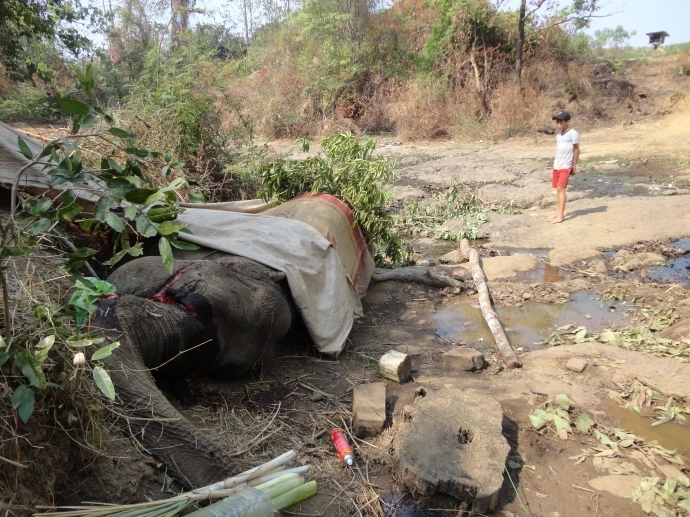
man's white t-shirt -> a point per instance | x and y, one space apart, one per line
564 149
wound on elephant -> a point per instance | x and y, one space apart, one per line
224 315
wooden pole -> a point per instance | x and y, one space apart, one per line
505 350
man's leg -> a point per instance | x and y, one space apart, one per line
560 203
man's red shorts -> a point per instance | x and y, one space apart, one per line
560 178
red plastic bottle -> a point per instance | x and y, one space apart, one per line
342 447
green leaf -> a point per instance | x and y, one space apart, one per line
168 227
116 258
4 357
30 368
2 342
103 207
88 121
166 254
69 212
144 226
584 423
115 222
104 352
73 107
44 346
562 402
131 212
196 197
103 381
23 401
41 226
140 195
539 417
24 148
562 427
183 245
121 133
79 343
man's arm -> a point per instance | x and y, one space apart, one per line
576 157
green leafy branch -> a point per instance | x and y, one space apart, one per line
347 170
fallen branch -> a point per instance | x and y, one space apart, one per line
505 350
422 275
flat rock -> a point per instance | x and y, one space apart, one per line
621 486
576 364
451 441
519 197
625 260
369 409
463 360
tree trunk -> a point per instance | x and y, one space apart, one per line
521 42
505 350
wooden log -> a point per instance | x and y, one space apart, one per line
423 275
505 350
395 366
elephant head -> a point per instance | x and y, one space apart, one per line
208 316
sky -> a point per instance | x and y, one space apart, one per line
642 16
672 16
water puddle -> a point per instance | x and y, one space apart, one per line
672 436
526 325
675 270
609 178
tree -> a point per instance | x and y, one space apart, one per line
24 23
578 13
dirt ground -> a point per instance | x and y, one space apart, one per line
633 186
631 189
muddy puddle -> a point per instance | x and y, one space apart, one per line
613 178
671 435
526 325
675 270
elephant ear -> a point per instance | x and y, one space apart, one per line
277 276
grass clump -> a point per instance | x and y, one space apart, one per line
458 202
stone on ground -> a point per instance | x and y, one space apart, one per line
451 441
463 360
452 257
395 365
576 364
369 409
625 260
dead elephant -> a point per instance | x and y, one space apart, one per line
209 316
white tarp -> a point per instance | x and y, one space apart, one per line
327 301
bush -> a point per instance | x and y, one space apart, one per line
347 171
29 103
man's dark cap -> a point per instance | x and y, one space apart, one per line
563 115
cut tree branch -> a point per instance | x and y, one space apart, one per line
505 350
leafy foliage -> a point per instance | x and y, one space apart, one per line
26 23
348 171
129 209
456 203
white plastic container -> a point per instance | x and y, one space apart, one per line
250 502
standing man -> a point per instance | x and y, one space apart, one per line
567 154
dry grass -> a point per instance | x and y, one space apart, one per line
287 409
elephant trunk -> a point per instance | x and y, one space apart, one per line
147 344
